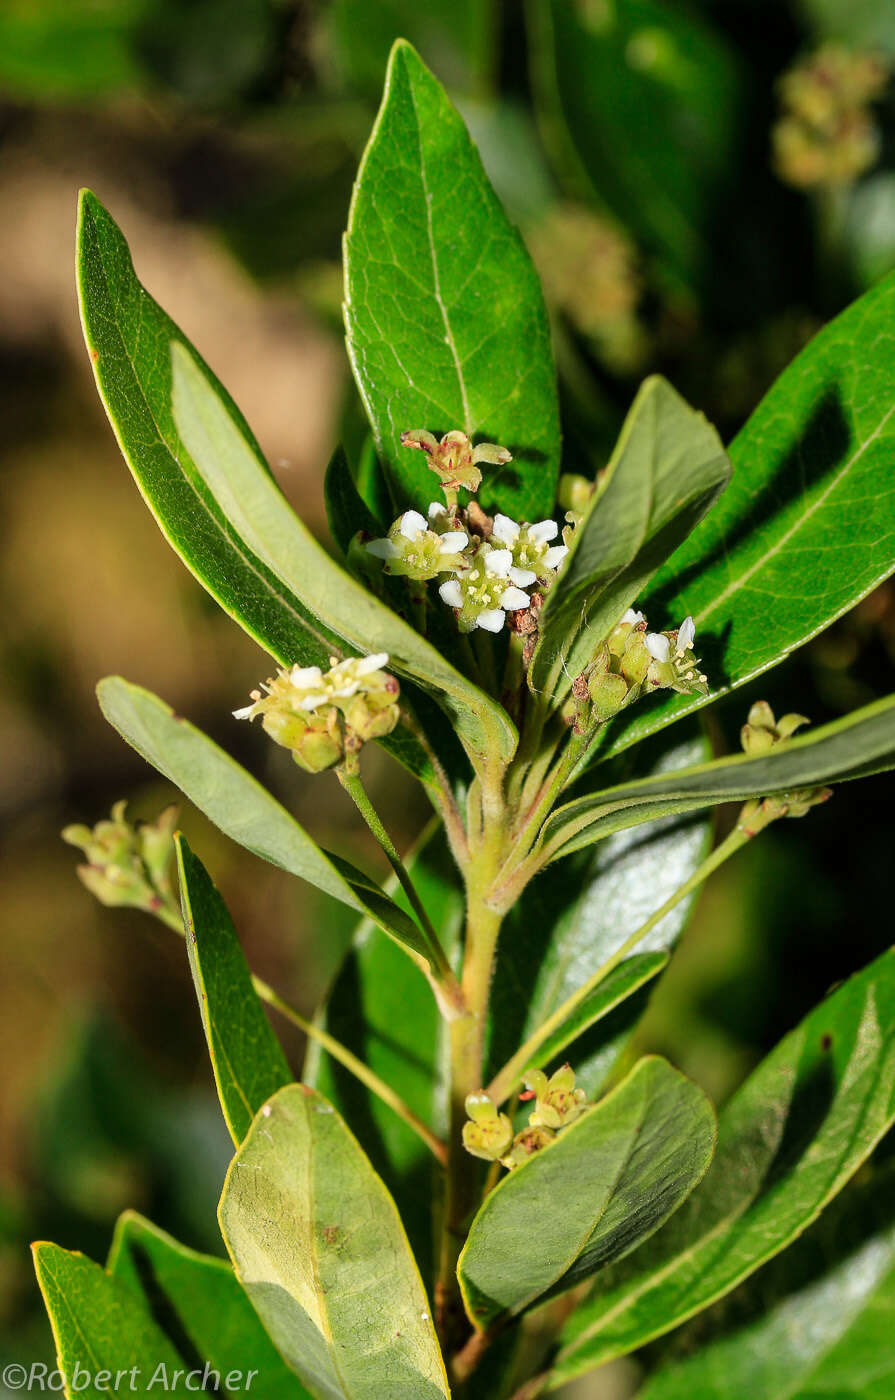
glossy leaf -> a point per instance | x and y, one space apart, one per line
375 1008
807 526
854 746
260 515
346 510
99 1324
197 1299
818 1320
129 336
244 810
319 1247
247 1059
639 102
444 313
604 1184
788 1141
667 470
579 911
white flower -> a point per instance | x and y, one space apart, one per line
658 646
415 550
528 545
485 592
306 688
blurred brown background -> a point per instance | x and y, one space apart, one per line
223 135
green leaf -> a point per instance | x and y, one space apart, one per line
788 1141
819 1318
247 1059
259 514
319 1247
667 470
638 100
444 313
197 1299
854 746
374 1007
100 1324
129 336
807 526
346 510
601 1187
244 810
578 912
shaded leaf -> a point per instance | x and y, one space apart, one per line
855 746
244 810
259 514
444 313
319 1247
788 1141
667 470
199 1302
247 1059
604 1184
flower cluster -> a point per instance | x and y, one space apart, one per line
632 662
826 134
761 733
325 718
489 1134
128 865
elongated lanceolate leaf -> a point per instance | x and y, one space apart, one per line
818 1321
667 469
100 1324
607 1182
258 513
444 313
199 1300
855 746
374 1007
248 1062
788 1141
232 799
319 1247
807 526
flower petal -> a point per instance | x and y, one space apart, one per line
555 555
492 619
453 542
523 577
505 529
412 524
658 646
633 617
383 549
513 599
436 510
310 702
305 676
544 530
366 664
244 713
451 593
686 634
499 561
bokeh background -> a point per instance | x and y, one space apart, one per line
691 210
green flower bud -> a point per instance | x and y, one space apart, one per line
558 1102
127 865
761 731
608 694
488 1134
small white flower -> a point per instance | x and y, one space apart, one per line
633 617
485 591
686 635
658 646
414 549
528 545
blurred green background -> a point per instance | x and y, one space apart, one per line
688 213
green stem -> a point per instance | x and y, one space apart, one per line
447 806
483 647
507 1079
335 1048
441 968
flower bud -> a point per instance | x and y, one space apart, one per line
127 865
488 1134
608 694
526 1144
558 1102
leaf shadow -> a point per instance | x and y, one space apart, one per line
817 452
165 1314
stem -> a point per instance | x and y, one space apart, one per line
355 1066
448 808
483 647
352 784
335 1048
539 810
505 1081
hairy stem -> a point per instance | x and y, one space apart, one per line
507 1079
